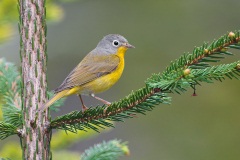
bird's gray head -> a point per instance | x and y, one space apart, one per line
111 43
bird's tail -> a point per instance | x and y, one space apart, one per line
52 100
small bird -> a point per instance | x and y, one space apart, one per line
97 72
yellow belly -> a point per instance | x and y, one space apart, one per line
103 83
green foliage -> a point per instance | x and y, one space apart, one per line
181 82
111 150
12 115
99 117
10 91
9 79
176 79
201 56
187 71
218 73
6 130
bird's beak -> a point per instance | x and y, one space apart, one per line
128 45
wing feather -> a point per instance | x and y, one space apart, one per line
90 68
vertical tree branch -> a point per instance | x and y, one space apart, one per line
32 26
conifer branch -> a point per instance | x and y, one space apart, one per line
10 89
7 130
176 77
203 55
111 150
184 79
12 115
188 70
139 101
219 72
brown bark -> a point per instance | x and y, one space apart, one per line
35 133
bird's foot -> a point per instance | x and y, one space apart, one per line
84 108
105 110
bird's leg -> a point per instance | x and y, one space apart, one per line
100 99
84 108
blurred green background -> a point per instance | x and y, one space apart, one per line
202 127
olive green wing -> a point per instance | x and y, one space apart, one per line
89 69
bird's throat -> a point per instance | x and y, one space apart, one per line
121 51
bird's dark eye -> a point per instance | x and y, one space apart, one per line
115 43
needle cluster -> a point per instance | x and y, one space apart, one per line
186 72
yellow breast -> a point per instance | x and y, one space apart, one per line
107 81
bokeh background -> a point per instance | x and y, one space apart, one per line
202 127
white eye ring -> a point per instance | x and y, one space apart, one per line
115 43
